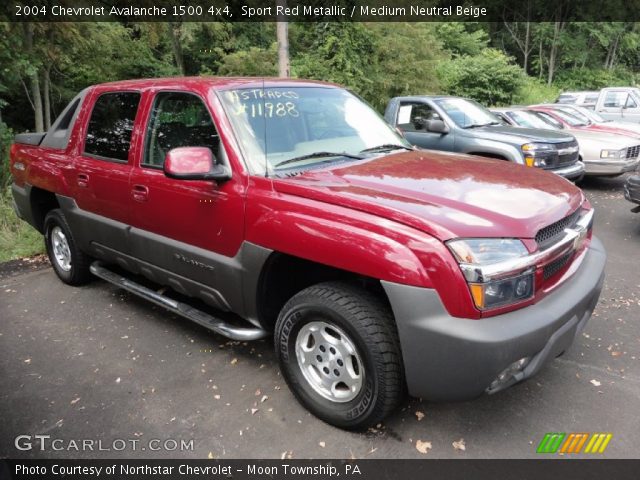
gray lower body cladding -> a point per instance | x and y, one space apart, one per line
226 283
22 203
449 359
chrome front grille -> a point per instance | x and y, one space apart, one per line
567 153
633 152
548 235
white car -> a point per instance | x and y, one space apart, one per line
585 99
603 154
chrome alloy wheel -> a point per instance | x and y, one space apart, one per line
329 361
61 250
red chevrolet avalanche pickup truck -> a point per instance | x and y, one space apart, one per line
290 208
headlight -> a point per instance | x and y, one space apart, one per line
534 151
482 251
502 292
536 147
487 251
613 153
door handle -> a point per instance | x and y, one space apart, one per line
140 193
83 180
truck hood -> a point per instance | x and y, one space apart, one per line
445 195
518 135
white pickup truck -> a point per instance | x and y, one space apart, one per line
619 103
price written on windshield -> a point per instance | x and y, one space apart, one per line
265 103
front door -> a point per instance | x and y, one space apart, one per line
411 121
620 105
191 228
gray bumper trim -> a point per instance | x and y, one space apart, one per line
611 167
448 358
571 172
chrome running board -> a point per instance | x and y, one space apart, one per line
180 308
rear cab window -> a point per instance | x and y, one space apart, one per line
110 126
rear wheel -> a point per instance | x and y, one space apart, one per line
339 353
70 264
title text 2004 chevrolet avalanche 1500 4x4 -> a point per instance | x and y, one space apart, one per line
292 207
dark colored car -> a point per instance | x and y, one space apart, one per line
632 191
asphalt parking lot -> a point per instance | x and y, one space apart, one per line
96 363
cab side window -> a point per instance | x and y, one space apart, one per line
110 126
619 100
412 115
178 119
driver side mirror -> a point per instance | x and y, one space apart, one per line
194 163
436 126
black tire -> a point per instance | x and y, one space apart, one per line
78 272
369 325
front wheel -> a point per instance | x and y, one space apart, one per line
339 353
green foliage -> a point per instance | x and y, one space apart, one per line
406 61
462 38
532 91
342 53
252 62
490 78
17 238
594 79
6 135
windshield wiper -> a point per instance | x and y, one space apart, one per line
477 125
385 147
318 155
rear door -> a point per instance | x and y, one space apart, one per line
192 228
100 182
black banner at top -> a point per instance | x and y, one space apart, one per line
321 10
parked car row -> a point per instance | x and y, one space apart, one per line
605 150
567 139
615 103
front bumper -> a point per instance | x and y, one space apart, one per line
610 167
572 172
632 189
448 358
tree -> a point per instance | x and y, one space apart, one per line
339 52
461 38
490 78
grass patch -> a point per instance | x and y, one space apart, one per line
17 238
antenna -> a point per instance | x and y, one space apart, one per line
264 119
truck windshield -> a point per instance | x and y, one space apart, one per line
590 114
284 128
467 113
570 119
576 113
